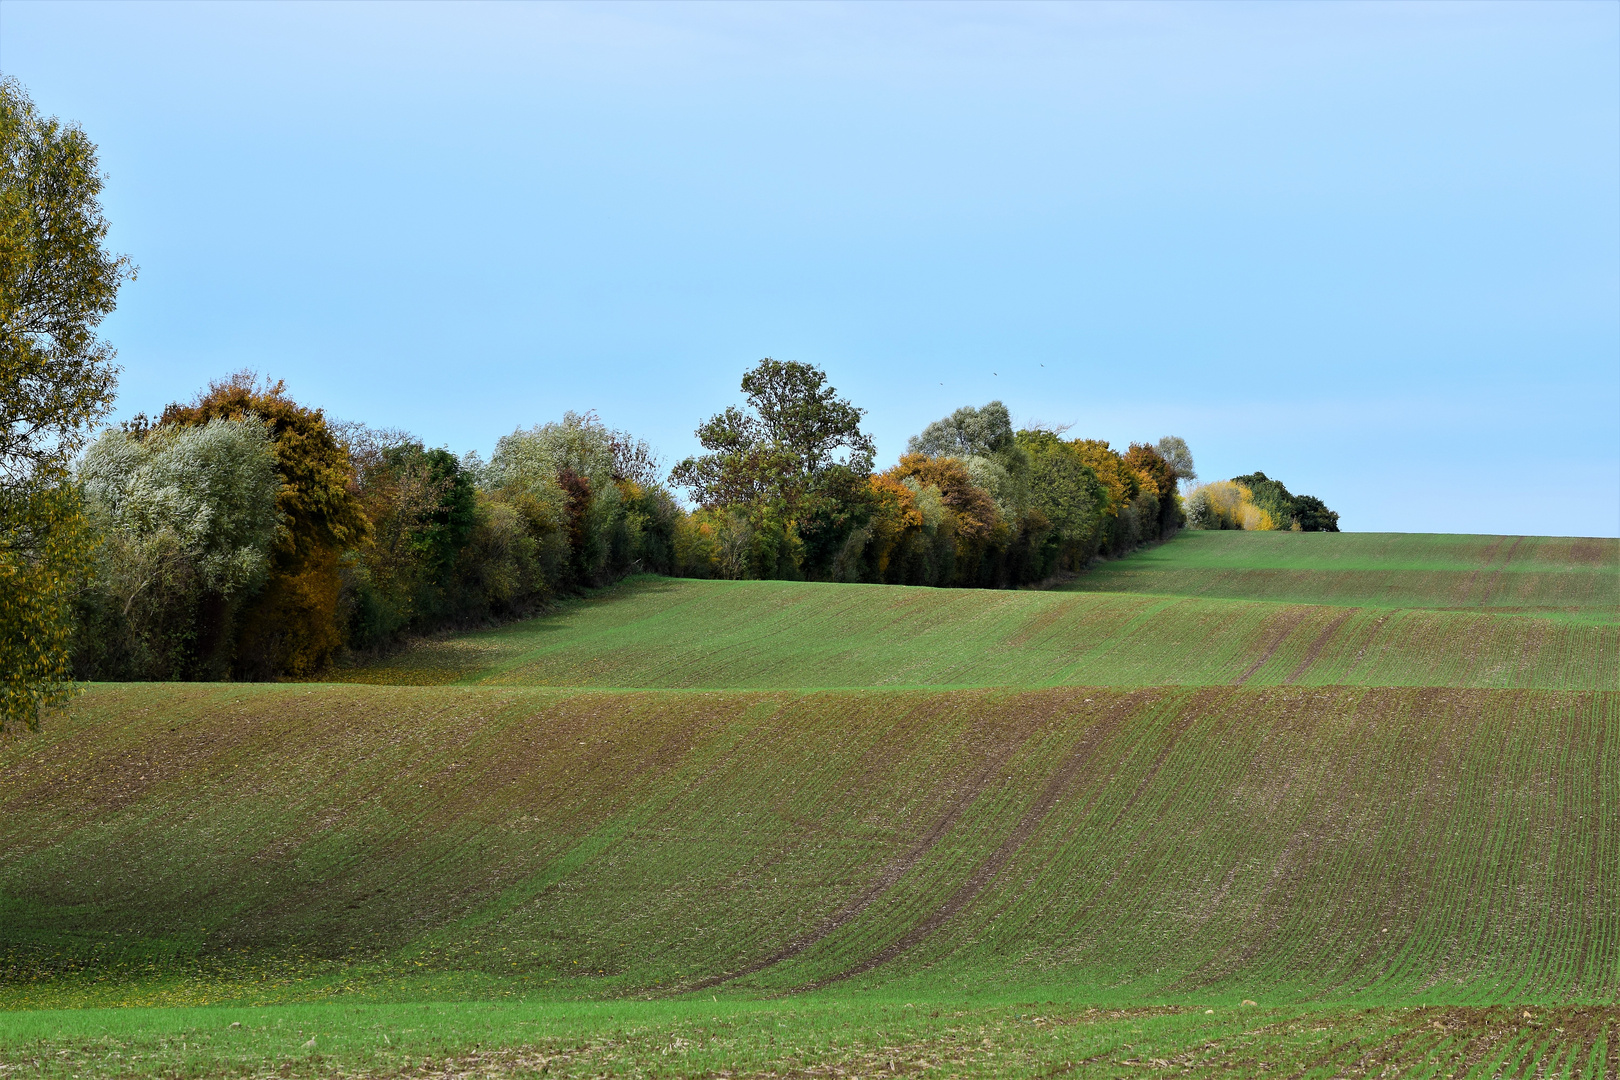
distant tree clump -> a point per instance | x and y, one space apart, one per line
57 378
1066 491
589 497
421 504
1257 502
1302 513
793 462
1176 454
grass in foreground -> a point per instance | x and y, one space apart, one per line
1414 872
817 1038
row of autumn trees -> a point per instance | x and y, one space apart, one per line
787 489
244 535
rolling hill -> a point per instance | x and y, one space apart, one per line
1162 617
1551 576
1137 795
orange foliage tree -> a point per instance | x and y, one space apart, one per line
1118 479
895 518
977 526
1154 471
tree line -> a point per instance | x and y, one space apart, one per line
243 534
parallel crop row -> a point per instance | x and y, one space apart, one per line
1269 843
713 634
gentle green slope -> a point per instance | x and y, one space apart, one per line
729 634
1369 782
1279 844
1569 577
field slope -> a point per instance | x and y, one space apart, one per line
1311 609
1277 843
1559 577
1384 825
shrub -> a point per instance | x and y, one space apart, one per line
1302 513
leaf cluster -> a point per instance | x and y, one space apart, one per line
57 283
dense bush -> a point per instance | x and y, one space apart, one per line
1257 502
291 625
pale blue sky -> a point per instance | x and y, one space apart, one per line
1371 250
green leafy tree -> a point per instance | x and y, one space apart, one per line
1067 492
796 440
57 282
1271 496
423 508
1313 515
442 530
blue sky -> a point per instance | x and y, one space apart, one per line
1371 250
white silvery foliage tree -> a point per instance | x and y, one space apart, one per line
188 519
212 489
533 461
525 461
966 433
1173 448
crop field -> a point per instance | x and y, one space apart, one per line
1557 577
765 634
747 829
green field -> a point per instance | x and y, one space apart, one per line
1559 577
753 828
